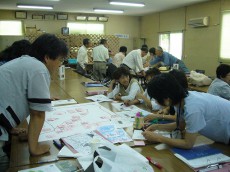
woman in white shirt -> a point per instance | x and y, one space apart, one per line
123 87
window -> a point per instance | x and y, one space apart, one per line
225 37
172 43
85 28
11 28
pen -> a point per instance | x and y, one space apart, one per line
154 163
47 161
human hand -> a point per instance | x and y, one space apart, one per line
127 102
117 96
151 117
150 136
40 149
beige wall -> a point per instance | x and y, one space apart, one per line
201 45
115 25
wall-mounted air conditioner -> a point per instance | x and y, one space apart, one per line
199 22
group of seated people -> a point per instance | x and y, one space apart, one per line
191 112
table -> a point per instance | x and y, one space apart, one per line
72 87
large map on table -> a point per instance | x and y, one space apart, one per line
65 121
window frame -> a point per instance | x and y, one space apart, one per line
22 32
169 46
222 59
87 23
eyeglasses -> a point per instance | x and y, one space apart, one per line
61 59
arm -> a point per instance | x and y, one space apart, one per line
134 89
35 125
113 92
186 143
145 99
153 116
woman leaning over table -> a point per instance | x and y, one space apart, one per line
197 112
123 87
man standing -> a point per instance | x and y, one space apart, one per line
134 60
100 56
25 83
167 60
82 56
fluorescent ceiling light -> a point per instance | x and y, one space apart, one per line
108 11
127 4
35 7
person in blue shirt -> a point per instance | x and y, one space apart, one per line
163 58
221 85
197 112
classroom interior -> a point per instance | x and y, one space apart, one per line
201 46
201 49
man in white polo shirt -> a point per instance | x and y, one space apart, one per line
100 57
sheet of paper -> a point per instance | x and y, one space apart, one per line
113 134
137 135
133 112
99 98
63 102
139 143
68 120
45 168
82 142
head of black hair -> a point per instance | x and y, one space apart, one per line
222 70
144 49
17 49
123 49
152 50
86 41
152 72
165 86
120 71
103 41
180 77
48 45
144 46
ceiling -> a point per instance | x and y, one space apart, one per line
86 6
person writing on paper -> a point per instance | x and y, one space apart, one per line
82 56
164 58
27 91
221 85
150 103
123 87
168 113
201 113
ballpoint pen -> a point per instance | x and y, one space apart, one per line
47 161
154 163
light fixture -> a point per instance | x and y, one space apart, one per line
108 11
103 19
92 18
133 4
35 6
81 18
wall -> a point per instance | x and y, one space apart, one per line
201 45
116 25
